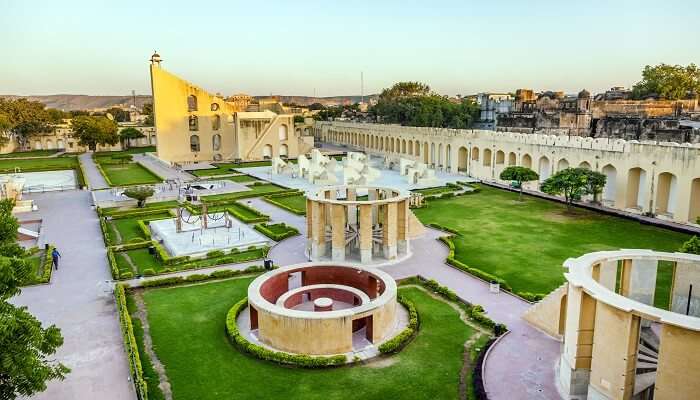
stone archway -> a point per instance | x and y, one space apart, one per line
694 208
562 164
636 188
462 159
544 168
666 193
526 161
610 189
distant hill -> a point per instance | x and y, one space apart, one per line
68 102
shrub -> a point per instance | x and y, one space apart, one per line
126 275
215 253
276 232
130 343
263 353
149 272
400 341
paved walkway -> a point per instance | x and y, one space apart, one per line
161 169
93 347
94 178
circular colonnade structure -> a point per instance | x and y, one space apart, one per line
322 309
340 227
617 344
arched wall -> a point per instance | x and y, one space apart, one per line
632 190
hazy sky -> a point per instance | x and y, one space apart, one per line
306 47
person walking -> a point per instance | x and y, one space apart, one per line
55 255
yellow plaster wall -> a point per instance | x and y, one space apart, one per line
679 362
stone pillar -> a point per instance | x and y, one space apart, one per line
678 364
373 194
686 285
605 273
352 210
614 357
402 228
389 231
639 280
365 232
338 232
318 246
575 361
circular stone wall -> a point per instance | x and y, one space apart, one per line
362 304
617 344
375 229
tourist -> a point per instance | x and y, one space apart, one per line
55 255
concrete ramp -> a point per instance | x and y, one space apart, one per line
415 227
546 313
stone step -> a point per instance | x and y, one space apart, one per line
649 338
643 381
646 365
645 358
648 351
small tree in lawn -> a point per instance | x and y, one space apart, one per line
595 182
139 193
692 246
126 134
519 175
570 182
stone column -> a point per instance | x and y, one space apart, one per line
389 231
639 280
365 232
686 285
678 364
614 357
338 232
605 273
402 228
318 246
352 210
575 361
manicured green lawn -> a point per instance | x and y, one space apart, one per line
297 202
256 190
129 174
128 228
225 168
144 260
32 153
121 173
39 164
187 327
241 178
527 242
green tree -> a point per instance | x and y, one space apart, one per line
671 82
147 110
595 182
26 345
139 193
119 114
5 127
519 175
692 246
26 118
129 133
91 131
570 182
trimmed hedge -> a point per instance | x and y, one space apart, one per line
400 341
474 311
270 198
278 357
130 345
269 231
259 217
222 274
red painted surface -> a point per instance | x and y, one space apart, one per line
332 293
253 318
